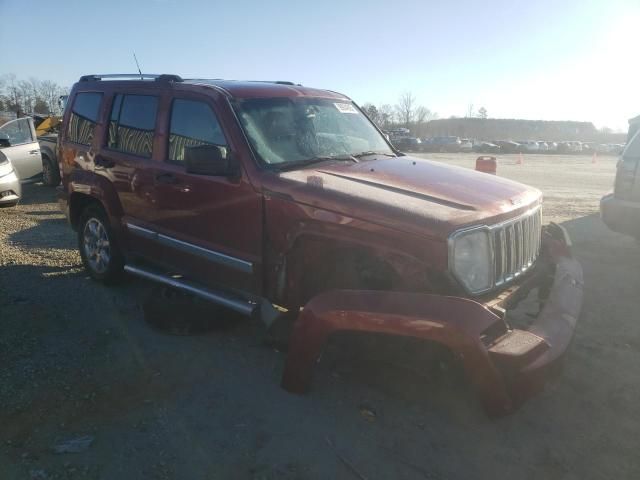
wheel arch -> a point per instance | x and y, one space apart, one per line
311 263
91 189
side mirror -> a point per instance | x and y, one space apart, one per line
212 160
4 141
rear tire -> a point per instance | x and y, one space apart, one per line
50 172
99 250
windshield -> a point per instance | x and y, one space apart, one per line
292 130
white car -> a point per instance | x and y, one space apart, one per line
530 146
10 190
18 142
543 147
575 146
466 145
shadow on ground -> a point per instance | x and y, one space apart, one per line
48 233
37 193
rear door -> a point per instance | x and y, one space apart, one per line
127 159
24 151
627 185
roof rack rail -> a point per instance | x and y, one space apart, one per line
131 76
277 82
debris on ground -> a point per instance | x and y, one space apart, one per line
368 412
74 445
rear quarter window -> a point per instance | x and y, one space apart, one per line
84 117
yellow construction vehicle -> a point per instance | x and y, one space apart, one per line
46 125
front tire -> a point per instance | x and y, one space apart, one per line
99 250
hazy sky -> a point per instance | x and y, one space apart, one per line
554 60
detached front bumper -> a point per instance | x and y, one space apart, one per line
505 370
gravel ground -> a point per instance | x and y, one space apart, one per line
80 364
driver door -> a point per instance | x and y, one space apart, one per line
24 151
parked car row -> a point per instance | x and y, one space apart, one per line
452 144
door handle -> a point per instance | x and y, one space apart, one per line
34 152
104 163
167 179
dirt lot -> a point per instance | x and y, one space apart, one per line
77 359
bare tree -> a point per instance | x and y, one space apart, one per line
34 85
482 113
406 114
29 96
387 115
50 92
470 111
423 114
13 93
406 108
372 112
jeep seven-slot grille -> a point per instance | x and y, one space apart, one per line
516 245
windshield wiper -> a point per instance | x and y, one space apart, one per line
371 152
311 161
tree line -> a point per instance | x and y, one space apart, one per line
30 96
406 113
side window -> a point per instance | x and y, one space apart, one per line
84 117
632 152
193 123
132 124
18 132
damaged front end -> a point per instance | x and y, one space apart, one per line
505 362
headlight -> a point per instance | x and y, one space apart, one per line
470 259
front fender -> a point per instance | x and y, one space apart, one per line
457 323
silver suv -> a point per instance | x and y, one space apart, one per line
621 209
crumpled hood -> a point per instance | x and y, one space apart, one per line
417 194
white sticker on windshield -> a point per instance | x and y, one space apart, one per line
346 107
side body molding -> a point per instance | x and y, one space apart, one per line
211 255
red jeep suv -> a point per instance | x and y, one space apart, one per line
265 196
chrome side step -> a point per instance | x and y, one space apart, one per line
223 299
